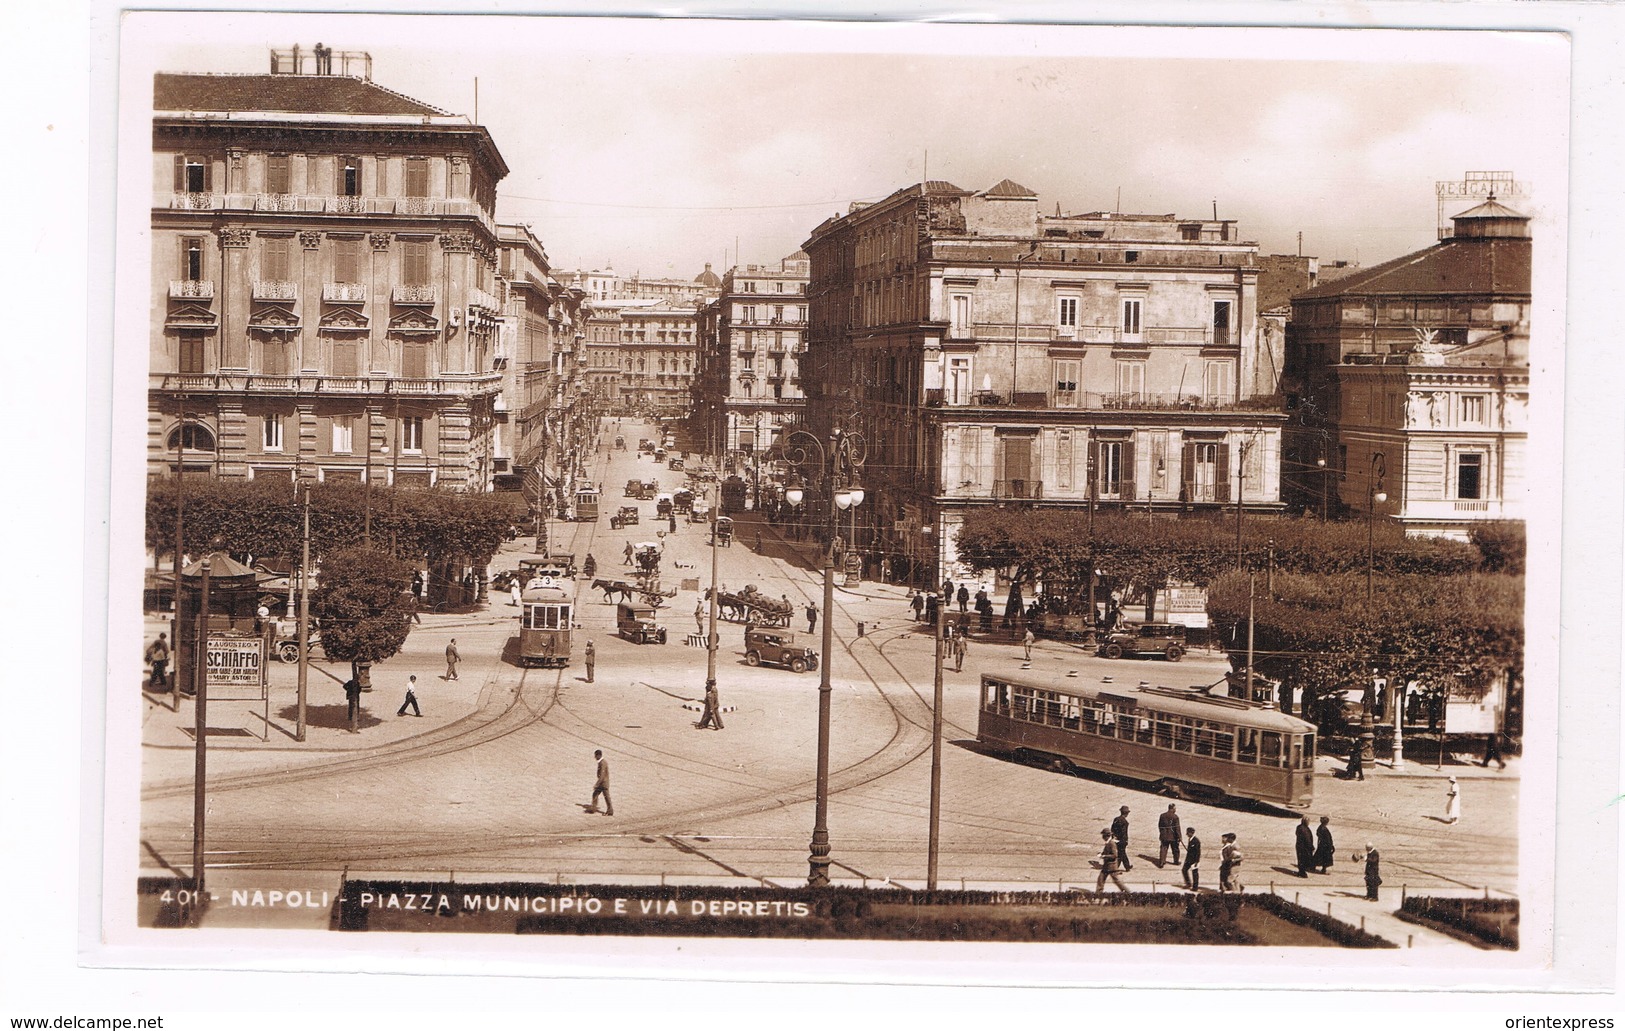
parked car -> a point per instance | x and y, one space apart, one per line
637 624
645 445
776 647
675 462
627 516
634 489
1165 639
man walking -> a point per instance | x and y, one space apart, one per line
627 554
1356 766
1167 835
812 616
1492 749
1120 832
1452 802
1191 872
959 651
1109 863
158 656
699 616
452 658
1373 870
601 785
712 716
1027 652
918 605
352 696
589 655
411 697
1229 864
964 597
1304 844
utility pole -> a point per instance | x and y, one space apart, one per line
304 619
200 730
180 537
934 844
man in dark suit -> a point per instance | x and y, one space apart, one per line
1167 835
1373 871
1305 846
1325 849
1120 832
1191 871
601 785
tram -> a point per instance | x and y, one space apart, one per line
586 510
545 619
1182 740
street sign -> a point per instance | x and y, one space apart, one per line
234 667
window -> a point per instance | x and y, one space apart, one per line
412 434
958 392
416 182
747 313
959 315
347 260
274 355
1470 476
1066 316
1205 471
276 258
1216 383
1131 318
415 262
1472 409
1131 380
278 174
191 353
1114 468
271 432
344 358
778 313
348 179
191 173
1190 232
1067 371
1221 323
191 437
414 360
343 434
192 258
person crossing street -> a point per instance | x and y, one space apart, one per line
452 658
600 786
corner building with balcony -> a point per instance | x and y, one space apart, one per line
993 355
324 280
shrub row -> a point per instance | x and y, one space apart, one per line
1473 919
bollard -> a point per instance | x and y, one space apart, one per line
1403 888
1410 940
1295 901
662 878
962 884
1486 892
1362 925
1328 909
1272 887
860 628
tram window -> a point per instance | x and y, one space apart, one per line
1303 756
1272 748
1070 715
1089 719
1126 725
1246 745
1204 741
1184 741
1165 734
1224 745
1108 722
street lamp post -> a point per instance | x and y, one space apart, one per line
1377 495
840 461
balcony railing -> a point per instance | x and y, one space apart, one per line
275 290
413 295
1023 490
235 383
318 203
195 201
346 293
478 298
191 289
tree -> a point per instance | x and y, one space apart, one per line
363 605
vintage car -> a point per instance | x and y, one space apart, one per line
1165 639
634 489
627 516
674 462
660 454
637 624
663 506
777 647
645 445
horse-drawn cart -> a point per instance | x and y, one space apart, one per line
752 606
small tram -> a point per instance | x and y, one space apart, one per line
1184 741
546 617
586 510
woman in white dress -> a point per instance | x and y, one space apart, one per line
1452 802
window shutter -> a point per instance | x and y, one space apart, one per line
180 173
1187 470
1128 470
1221 474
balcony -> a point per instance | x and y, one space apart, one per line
318 203
344 293
413 295
191 289
275 290
458 384
195 201
1018 490
1460 508
478 299
349 205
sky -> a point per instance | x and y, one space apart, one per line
657 146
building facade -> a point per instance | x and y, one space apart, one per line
992 355
1411 379
324 288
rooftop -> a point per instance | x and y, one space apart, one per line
284 93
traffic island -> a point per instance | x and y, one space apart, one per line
890 914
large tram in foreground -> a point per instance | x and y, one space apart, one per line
546 612
1185 741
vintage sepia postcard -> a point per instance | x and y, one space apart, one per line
996 504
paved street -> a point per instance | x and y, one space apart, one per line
494 779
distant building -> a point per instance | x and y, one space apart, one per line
1418 370
993 355
324 282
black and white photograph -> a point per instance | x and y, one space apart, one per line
835 501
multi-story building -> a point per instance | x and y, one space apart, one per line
749 386
993 355
657 356
1411 379
324 280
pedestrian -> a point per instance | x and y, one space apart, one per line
712 717
1109 863
918 605
963 596
947 591
1304 845
1325 848
985 610
600 786
1229 864
627 554
411 697
514 591
158 657
452 658
415 606
352 697
1356 767
1120 832
758 540
959 652
812 616
699 616
1027 654
1167 835
1492 751
589 655
1373 870
1452 802
1191 872
671 524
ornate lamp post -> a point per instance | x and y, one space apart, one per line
840 461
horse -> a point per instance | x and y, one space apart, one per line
729 605
613 587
